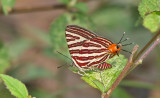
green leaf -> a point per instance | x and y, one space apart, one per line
7 5
4 93
82 7
58 39
120 93
16 87
106 77
90 81
74 69
152 21
148 6
99 85
4 59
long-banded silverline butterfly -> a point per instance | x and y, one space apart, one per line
89 51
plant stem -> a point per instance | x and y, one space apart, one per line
38 9
103 95
135 60
27 10
120 77
157 42
139 58
146 46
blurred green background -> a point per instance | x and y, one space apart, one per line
29 41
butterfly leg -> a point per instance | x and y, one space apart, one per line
113 62
79 72
82 72
101 77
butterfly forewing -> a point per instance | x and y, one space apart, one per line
87 49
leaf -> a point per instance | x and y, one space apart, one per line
99 85
4 59
89 81
74 69
82 7
107 77
57 32
7 5
148 6
16 87
120 93
4 93
152 21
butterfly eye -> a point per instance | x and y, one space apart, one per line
117 47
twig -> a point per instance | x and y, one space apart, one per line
146 46
133 61
157 42
28 10
120 77
38 9
139 58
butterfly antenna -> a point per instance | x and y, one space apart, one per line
126 51
66 64
127 44
64 55
60 66
125 40
121 38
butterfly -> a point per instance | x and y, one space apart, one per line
90 51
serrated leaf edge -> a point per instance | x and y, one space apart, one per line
12 85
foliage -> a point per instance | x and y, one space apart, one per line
105 19
103 80
7 5
4 59
148 6
152 21
16 87
149 10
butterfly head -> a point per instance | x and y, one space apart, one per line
114 48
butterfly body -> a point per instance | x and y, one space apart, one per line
89 51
